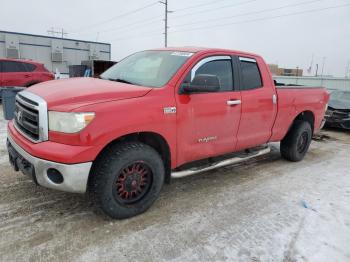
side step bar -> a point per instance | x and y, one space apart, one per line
226 162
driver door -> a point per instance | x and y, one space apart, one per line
207 122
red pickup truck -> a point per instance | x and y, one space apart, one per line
155 114
15 72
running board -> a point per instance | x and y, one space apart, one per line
226 162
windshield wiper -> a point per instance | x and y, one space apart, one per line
121 81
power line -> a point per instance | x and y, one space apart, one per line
154 20
117 17
214 9
128 26
146 35
60 32
262 19
199 5
132 25
248 13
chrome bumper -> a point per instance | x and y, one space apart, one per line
75 176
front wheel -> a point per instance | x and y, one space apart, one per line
127 179
296 143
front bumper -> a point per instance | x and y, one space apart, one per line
75 176
341 123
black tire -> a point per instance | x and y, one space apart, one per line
297 142
118 177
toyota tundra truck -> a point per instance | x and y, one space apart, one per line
157 114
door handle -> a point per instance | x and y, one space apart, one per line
233 102
274 99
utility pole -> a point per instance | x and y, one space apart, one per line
59 32
347 69
323 63
165 3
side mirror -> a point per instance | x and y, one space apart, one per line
202 83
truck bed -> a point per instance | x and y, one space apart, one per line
292 100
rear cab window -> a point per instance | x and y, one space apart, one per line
250 74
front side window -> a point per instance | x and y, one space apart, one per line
147 68
12 66
219 67
251 78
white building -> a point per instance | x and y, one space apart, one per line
56 53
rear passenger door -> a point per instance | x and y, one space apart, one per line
15 74
258 103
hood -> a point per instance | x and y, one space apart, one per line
68 94
339 104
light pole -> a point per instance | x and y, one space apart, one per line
323 63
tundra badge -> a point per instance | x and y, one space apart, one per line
207 139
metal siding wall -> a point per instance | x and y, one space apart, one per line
38 48
2 49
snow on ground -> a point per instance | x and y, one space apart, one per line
3 134
266 210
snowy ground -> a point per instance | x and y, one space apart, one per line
266 210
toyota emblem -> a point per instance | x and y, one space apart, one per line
19 116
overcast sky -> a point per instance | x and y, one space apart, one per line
287 32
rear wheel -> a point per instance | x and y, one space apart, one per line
127 179
296 143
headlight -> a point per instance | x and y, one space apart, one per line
69 122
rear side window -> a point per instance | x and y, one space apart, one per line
29 67
251 77
11 66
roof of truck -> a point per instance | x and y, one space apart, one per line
194 49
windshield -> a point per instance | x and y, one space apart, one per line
147 68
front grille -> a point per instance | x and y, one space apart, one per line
31 116
27 120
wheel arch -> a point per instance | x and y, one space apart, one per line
307 116
152 139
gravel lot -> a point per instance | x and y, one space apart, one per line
266 210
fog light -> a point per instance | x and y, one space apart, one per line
55 176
